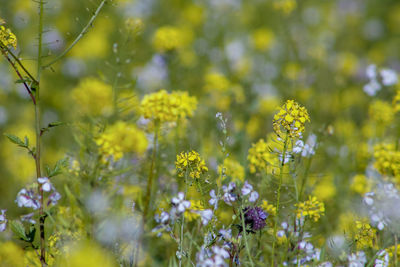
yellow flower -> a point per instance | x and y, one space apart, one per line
391 251
191 163
93 97
269 208
121 138
233 169
164 107
215 81
381 112
168 38
195 205
360 184
387 160
396 101
285 6
263 39
290 119
7 38
365 236
311 208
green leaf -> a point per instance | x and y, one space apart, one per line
58 168
19 230
31 234
15 139
55 124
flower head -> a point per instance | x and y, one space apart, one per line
190 162
255 218
7 38
164 107
168 38
290 119
365 235
121 138
311 208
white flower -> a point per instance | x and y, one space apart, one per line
28 199
3 221
220 252
368 198
214 199
180 202
248 189
54 198
371 72
229 196
389 77
28 218
226 233
309 147
382 260
45 182
357 259
206 216
372 88
298 146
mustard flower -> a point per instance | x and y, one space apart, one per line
311 208
387 159
269 208
168 38
365 235
360 184
93 97
190 162
260 156
7 38
290 119
381 112
216 81
120 138
164 107
232 169
396 101
391 251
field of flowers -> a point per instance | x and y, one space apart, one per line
199 133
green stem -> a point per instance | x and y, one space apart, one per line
151 173
395 250
305 177
278 198
81 34
245 237
42 216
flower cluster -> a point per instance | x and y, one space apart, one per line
168 38
232 169
190 162
269 208
215 81
381 112
290 119
255 217
120 138
387 76
387 159
311 208
164 107
260 156
93 97
365 235
7 38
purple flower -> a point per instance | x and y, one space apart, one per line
255 218
28 199
214 199
248 189
206 216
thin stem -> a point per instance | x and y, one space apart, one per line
395 250
305 176
42 216
245 237
183 223
81 34
18 61
279 197
151 174
20 76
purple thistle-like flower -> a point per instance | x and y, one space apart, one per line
255 217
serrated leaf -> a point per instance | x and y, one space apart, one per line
15 139
19 230
58 168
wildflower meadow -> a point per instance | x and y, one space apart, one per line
204 133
